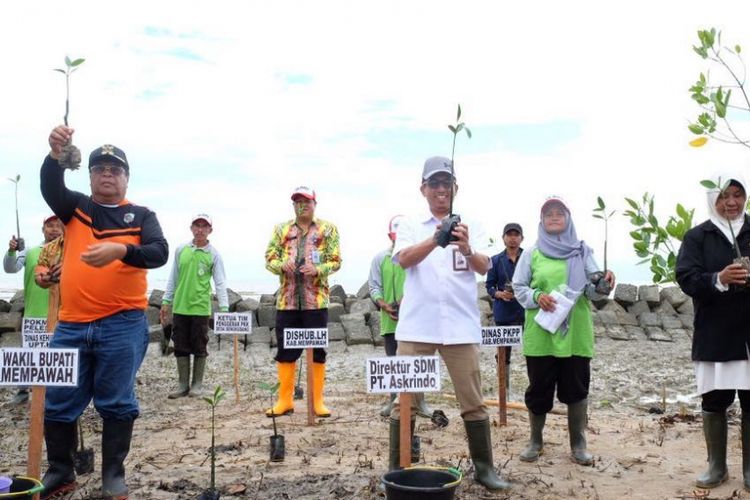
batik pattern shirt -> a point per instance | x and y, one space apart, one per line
319 246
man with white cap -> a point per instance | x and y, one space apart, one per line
439 310
188 298
35 298
303 252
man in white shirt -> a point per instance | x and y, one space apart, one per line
439 310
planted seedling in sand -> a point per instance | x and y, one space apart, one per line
212 493
277 450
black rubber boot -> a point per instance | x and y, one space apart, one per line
183 378
116 436
746 451
61 439
394 446
480 449
536 444
715 432
577 420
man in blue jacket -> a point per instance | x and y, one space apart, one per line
506 309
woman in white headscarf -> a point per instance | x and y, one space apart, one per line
707 272
557 360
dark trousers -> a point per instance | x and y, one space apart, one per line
571 376
314 318
190 335
718 401
391 344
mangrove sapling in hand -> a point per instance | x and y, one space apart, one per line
277 450
71 155
449 223
738 257
603 287
20 243
212 493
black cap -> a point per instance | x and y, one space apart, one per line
110 153
512 227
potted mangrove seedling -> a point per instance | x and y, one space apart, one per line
449 223
212 493
71 155
277 450
602 286
738 257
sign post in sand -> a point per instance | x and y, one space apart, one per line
307 339
404 375
234 324
502 337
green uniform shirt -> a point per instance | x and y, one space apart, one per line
189 285
546 275
36 298
386 282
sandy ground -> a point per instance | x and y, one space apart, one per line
637 454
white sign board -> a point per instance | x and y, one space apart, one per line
403 374
34 333
303 338
233 323
501 336
47 367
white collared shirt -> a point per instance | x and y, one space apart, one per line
440 293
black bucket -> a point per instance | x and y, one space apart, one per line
23 487
277 449
414 483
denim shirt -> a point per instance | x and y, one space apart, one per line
505 313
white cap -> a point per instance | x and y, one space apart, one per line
204 217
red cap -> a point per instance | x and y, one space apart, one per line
305 192
49 218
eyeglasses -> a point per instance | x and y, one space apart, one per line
115 170
436 183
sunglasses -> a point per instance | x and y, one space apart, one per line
436 183
115 170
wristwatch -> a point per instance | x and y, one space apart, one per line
471 252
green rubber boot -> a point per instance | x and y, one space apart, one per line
199 368
536 444
394 447
480 449
715 432
183 375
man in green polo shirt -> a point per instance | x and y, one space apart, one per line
35 298
188 294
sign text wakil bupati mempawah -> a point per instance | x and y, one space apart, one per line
403 374
19 366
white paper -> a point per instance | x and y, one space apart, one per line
551 321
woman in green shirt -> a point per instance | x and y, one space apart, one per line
558 360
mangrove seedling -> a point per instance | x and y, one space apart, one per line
738 257
214 400
449 223
71 155
21 244
600 212
277 450
712 93
654 243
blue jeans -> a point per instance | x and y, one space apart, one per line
110 351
